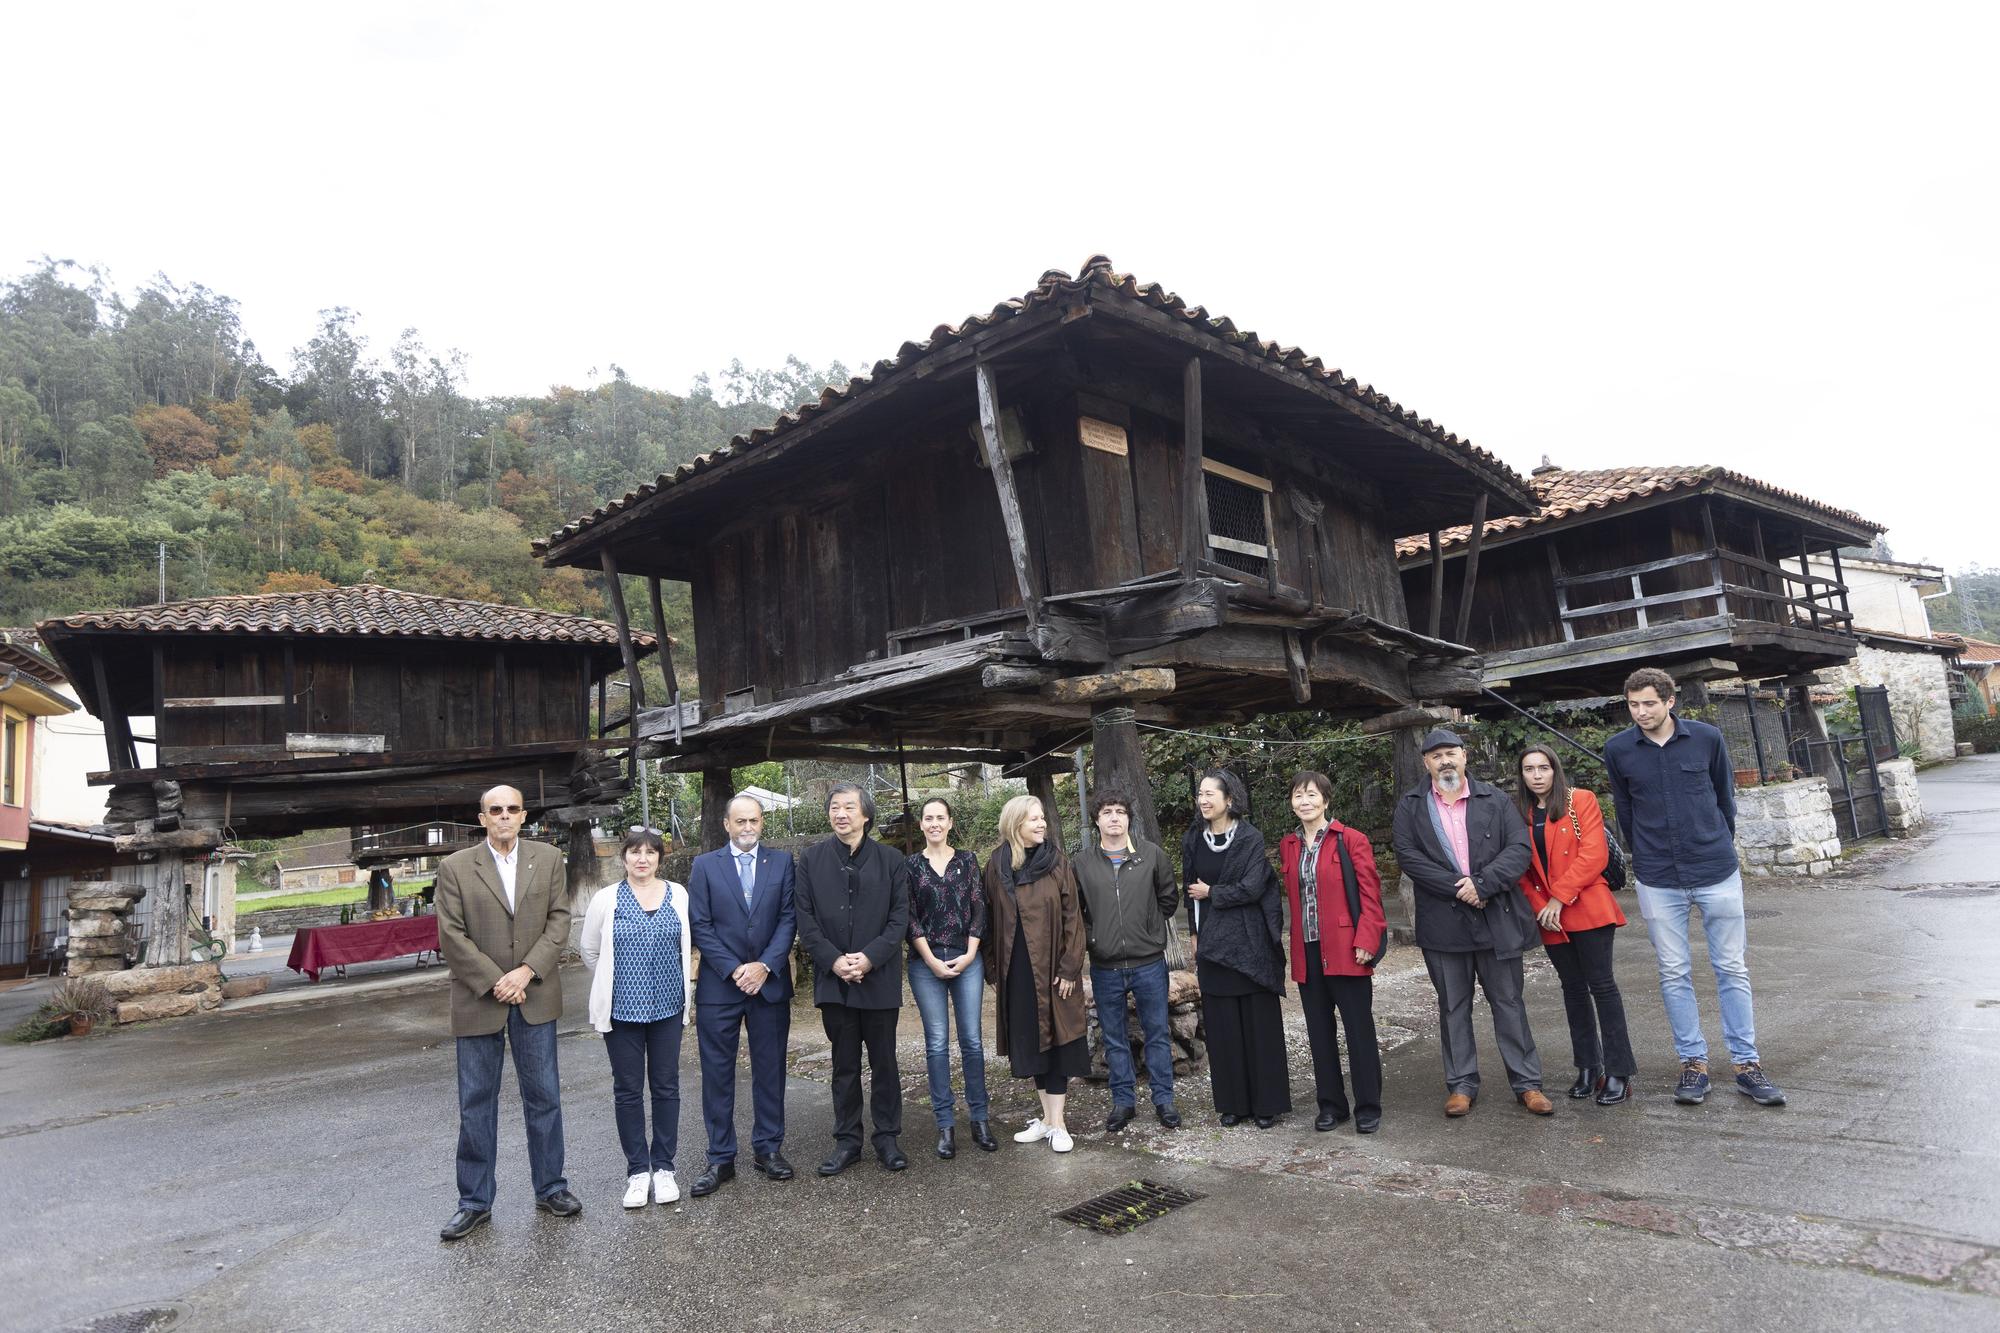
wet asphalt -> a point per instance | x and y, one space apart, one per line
286 1166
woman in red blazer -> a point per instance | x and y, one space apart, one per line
1333 955
1565 885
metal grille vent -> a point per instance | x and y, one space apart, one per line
1239 529
1128 1207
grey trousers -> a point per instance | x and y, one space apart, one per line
1452 974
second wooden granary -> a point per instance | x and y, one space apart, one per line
1094 506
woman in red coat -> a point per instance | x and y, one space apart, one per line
1565 885
1334 949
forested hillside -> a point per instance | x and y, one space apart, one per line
132 419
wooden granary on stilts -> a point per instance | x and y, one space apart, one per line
1094 506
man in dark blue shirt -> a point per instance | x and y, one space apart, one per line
1676 796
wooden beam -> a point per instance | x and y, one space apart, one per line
1194 493
1142 683
1437 584
290 721
227 701
1042 786
1417 719
717 790
117 728
1162 615
1631 571
609 562
502 696
1562 594
1718 576
1840 583
673 684
1002 469
1118 764
300 767
1471 585
1001 676
1297 672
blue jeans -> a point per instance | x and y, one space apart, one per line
646 1059
961 993
479 1061
1666 912
1148 988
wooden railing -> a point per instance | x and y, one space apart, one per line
1806 599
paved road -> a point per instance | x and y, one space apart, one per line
286 1167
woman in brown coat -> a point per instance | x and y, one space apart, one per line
1033 954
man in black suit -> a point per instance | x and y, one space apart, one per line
740 913
853 911
1464 846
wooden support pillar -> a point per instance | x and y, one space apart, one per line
581 857
718 787
1194 491
624 623
118 749
673 684
1805 568
167 899
1406 762
1721 575
1002 469
1437 584
1042 786
1118 763
1840 587
1470 586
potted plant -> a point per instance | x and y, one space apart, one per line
82 1001
1746 777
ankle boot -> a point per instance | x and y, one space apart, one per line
1587 1082
947 1147
1617 1088
982 1134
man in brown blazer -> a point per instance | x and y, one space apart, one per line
503 919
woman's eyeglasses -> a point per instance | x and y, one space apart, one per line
502 809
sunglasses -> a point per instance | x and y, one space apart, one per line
642 828
503 809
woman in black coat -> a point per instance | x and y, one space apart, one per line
1236 912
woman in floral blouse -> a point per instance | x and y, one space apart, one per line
947 919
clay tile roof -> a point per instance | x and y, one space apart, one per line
1057 287
364 610
1978 650
20 652
1565 493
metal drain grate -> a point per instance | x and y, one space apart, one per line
1760 913
138 1319
1128 1207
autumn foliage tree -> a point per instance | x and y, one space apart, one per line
176 438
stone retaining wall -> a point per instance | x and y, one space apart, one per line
285 920
164 992
1786 828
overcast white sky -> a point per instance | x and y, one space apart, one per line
1611 234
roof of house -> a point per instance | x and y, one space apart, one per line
1978 650
20 652
1947 645
1057 287
1566 494
365 610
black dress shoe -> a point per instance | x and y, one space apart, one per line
562 1203
1232 1119
982 1134
1168 1116
1587 1082
773 1165
1328 1119
1617 1088
891 1158
1367 1124
1120 1117
842 1159
1266 1121
713 1179
947 1145
462 1223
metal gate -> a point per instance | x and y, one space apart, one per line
1850 765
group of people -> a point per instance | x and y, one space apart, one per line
1493 874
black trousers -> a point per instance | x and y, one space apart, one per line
1596 1011
1246 1054
646 1058
1354 999
849 1029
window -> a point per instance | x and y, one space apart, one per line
13 754
1239 518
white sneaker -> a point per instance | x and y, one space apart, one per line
665 1188
1034 1133
635 1190
1060 1140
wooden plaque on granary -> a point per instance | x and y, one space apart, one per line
1102 435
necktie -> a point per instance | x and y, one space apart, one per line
746 870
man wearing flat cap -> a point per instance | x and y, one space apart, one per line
1465 847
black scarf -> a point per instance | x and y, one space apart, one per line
1040 861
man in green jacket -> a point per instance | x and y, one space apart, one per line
1130 893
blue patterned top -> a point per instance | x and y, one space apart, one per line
646 984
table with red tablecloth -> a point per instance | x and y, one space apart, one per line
319 947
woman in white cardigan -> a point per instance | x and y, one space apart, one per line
641 998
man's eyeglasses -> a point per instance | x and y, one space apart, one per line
503 809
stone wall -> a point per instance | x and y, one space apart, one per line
164 992
1901 803
1919 695
284 920
1786 828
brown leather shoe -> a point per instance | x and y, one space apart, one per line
1457 1104
1534 1101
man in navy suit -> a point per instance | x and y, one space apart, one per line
740 911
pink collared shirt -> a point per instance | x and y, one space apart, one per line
1453 815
